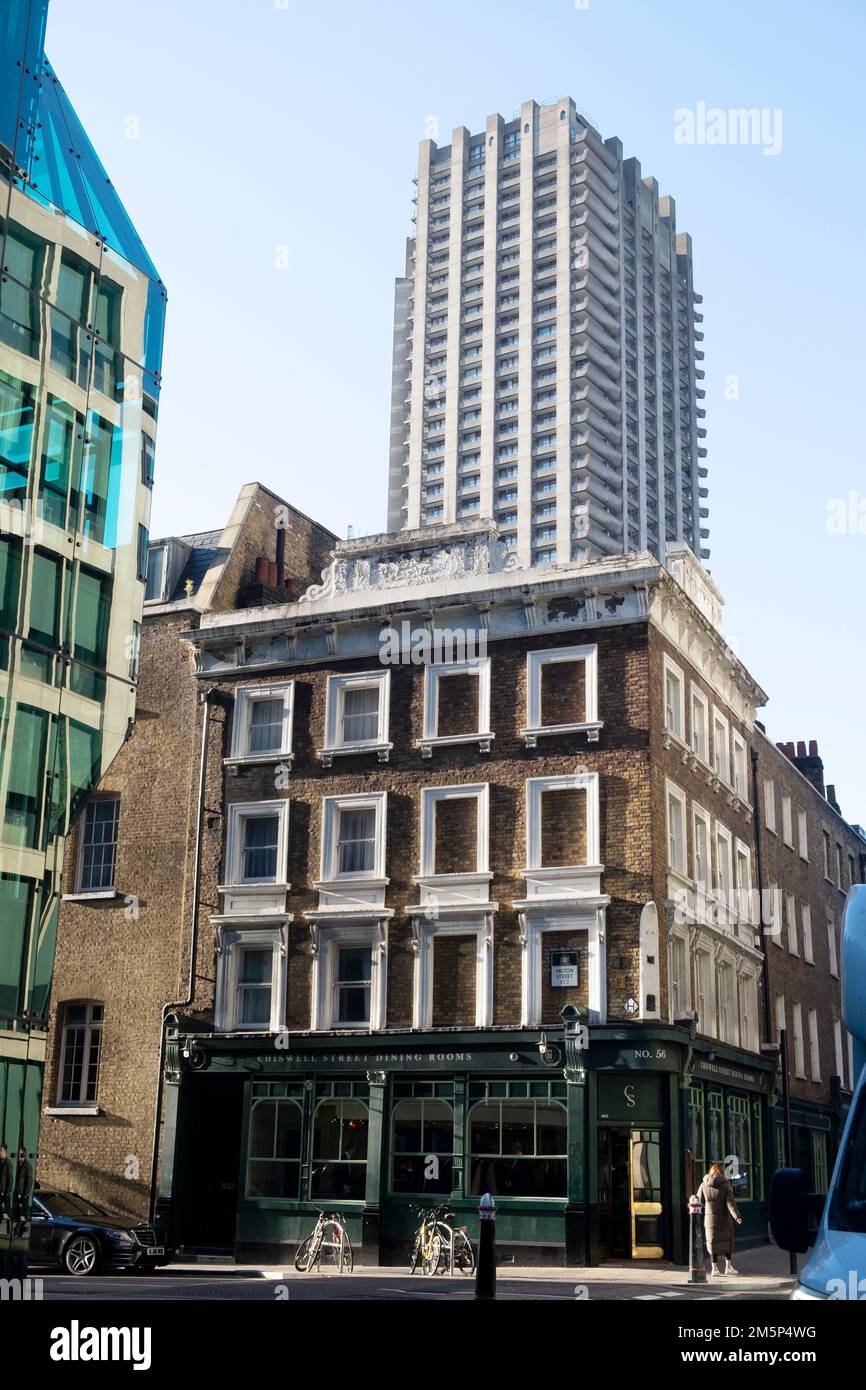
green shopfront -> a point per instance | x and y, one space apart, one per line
589 1154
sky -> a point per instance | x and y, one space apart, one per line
265 150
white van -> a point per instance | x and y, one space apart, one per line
836 1267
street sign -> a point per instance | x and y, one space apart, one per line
564 969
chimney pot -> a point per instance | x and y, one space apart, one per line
262 570
801 749
813 748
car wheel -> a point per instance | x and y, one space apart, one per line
81 1255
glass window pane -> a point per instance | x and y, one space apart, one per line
260 837
356 840
266 725
361 714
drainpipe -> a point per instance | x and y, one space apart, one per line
206 697
768 1034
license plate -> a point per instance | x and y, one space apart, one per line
154 1250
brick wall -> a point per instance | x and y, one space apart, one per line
563 692
563 827
453 981
458 705
457 836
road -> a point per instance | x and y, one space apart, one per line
370 1287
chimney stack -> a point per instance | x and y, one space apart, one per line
810 764
831 797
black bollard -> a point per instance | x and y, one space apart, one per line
485 1270
697 1262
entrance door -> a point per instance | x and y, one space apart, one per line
630 1194
646 1195
207 1197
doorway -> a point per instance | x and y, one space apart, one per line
207 1190
630 1203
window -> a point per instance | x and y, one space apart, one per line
749 1012
454 830
148 450
674 683
142 554
831 945
518 1148
45 614
353 836
274 1162
678 969
456 704
740 1135
727 1003
839 1052
819 1159
700 726
770 806
251 976
92 618
257 842
356 719
721 748
25 790
791 918
561 692
81 1040
803 835
743 859
340 1129
741 767
724 868
157 567
799 1058
701 840
422 1146
352 980
704 1000
838 865
825 848
97 847
16 434
787 826
814 1045
262 729
806 923
676 829
780 1017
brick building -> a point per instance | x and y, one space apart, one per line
437 814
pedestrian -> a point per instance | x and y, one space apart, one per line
720 1213
5 1185
23 1186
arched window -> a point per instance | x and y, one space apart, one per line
274 1162
340 1150
518 1148
422 1146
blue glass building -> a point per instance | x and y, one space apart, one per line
81 325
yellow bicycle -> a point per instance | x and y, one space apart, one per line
437 1244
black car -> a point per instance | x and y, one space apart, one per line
74 1233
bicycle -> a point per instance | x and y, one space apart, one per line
439 1246
329 1233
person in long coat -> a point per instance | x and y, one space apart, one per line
720 1213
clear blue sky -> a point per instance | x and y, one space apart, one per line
262 127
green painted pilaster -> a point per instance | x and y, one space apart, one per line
376 1136
676 1148
458 1178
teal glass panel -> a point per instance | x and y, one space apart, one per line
22 40
100 481
85 763
40 983
58 778
90 644
60 443
10 575
16 437
26 778
20 305
45 598
15 898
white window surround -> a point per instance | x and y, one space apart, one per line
238 813
335 745
728 1019
674 720
799 1053
533 924
678 948
244 701
700 729
231 942
770 805
331 807
83 893
326 938
748 1019
724 863
473 884
832 949
705 876
705 987
740 766
430 739
743 870
803 835
424 933
721 746
787 822
535 663
587 782
676 862
806 924
791 923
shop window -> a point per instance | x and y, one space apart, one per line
518 1149
81 1042
740 1139
422 1147
274 1164
340 1151
262 726
695 1140
819 1161
715 1128
757 1152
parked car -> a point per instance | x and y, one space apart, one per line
81 1238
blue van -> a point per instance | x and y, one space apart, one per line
836 1267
